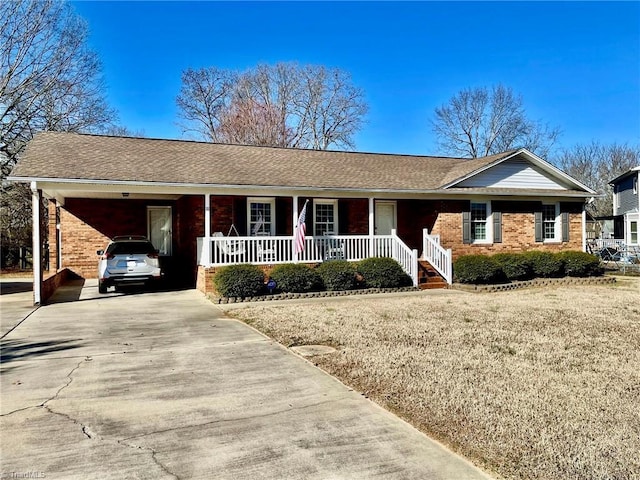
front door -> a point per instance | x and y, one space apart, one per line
385 217
159 225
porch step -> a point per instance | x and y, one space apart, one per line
428 277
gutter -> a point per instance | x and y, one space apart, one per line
57 183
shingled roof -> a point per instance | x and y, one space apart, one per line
71 156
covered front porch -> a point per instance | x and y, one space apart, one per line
264 246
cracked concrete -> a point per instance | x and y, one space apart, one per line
161 385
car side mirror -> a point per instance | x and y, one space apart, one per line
100 252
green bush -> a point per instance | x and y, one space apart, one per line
239 281
580 264
296 278
477 269
337 275
383 272
545 264
514 266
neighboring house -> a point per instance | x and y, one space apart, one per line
181 194
626 206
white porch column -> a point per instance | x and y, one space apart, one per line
206 244
372 226
294 209
36 244
295 212
584 227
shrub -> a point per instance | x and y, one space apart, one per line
514 266
580 264
239 281
545 264
477 269
296 278
337 275
383 272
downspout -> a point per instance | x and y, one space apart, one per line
36 244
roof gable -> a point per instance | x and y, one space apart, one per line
519 170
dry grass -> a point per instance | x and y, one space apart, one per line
530 384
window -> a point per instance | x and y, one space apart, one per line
633 233
635 185
549 222
477 224
261 216
325 217
478 221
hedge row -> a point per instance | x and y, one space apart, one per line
249 280
504 267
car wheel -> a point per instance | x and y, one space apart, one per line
102 288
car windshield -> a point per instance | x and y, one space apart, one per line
123 248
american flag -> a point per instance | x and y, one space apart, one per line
301 229
258 225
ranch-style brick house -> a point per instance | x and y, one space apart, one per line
205 205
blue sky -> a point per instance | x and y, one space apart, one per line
576 64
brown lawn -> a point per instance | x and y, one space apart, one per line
531 384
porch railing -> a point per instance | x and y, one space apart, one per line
594 245
437 256
272 250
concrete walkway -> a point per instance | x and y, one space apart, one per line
161 385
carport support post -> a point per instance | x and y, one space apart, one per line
36 256
206 245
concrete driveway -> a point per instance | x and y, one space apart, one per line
161 385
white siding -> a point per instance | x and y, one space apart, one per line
513 173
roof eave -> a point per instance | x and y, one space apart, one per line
626 174
52 183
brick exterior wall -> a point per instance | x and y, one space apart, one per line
88 224
518 233
53 237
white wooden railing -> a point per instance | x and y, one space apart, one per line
437 256
271 250
597 244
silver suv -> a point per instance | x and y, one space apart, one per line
128 260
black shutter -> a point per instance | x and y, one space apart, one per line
565 226
466 227
537 216
497 227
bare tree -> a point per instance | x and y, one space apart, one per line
481 121
280 105
595 165
49 80
204 97
248 122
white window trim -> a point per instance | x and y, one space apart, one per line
269 200
630 218
325 201
557 229
488 224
